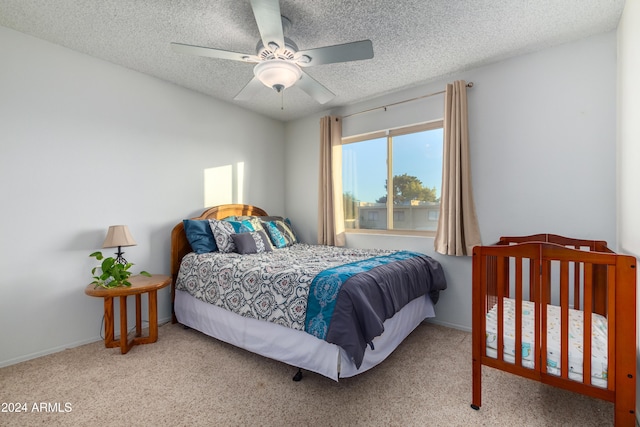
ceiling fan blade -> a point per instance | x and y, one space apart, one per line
354 51
267 13
213 53
250 90
314 89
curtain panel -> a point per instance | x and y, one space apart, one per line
330 213
458 231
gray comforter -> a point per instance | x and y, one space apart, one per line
369 298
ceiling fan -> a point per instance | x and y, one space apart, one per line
278 61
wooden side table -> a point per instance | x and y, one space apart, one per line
139 286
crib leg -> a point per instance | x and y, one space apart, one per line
624 414
476 400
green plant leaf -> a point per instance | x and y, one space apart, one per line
144 273
108 264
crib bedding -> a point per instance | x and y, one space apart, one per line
275 286
576 334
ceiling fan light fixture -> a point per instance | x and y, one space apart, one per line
277 74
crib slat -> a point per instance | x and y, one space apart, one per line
576 285
600 289
542 309
490 276
564 319
535 275
500 307
586 339
518 344
611 322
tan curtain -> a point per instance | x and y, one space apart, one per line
330 214
458 230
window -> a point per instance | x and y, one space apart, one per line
411 159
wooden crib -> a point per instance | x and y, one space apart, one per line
565 276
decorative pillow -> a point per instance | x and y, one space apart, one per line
199 235
275 235
280 233
222 231
254 242
253 220
280 218
293 231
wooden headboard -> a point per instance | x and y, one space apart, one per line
180 245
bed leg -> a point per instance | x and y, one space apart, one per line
298 375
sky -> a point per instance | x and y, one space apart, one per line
364 163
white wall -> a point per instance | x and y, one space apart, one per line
628 141
85 144
542 135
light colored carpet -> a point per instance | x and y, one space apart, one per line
188 379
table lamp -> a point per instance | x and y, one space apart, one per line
118 236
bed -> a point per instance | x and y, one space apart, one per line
560 311
311 306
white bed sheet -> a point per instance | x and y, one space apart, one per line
298 348
576 327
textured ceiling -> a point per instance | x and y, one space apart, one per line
414 41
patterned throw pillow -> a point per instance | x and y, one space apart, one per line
280 232
254 242
223 230
253 220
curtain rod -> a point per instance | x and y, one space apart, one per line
470 84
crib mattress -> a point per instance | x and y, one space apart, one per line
576 334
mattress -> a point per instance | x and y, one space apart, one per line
576 334
294 347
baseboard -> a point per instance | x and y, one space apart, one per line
37 354
448 325
57 349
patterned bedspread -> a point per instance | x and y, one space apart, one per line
274 286
271 286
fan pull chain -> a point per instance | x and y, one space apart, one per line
282 100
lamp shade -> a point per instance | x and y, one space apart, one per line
277 74
118 235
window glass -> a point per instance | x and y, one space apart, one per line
364 173
417 175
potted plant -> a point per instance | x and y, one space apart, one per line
113 273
